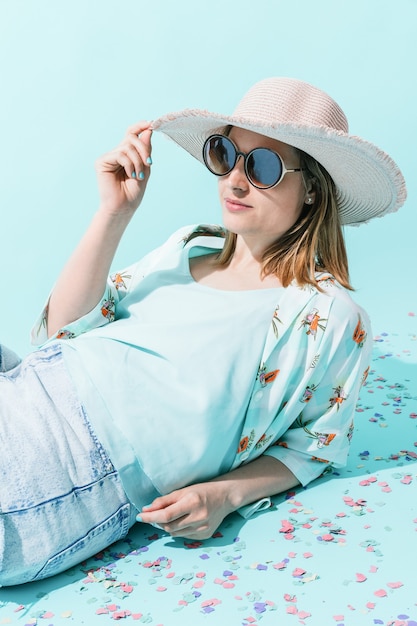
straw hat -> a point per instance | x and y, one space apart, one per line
369 183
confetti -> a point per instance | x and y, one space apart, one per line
356 526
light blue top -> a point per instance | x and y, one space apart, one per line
183 382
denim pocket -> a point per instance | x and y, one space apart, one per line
101 536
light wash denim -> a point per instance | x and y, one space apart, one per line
61 500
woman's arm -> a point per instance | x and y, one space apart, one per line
122 176
197 511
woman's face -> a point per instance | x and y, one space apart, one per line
261 216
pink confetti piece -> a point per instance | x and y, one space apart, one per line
407 479
228 585
102 611
360 578
299 571
339 618
327 537
395 585
380 593
290 598
292 555
370 605
163 588
286 527
211 602
303 614
308 555
19 608
121 614
47 615
281 565
291 610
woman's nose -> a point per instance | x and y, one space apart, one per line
237 177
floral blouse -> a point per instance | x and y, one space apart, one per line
301 378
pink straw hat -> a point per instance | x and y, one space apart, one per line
369 184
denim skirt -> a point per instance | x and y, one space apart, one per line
61 499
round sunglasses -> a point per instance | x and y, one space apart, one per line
264 168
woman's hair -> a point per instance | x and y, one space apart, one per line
314 243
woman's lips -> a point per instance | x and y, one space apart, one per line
235 206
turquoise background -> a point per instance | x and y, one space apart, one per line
75 75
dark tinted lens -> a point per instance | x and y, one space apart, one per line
264 167
219 155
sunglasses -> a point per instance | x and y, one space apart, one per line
264 168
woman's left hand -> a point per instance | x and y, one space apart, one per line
194 512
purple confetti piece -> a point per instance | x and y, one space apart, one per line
227 572
260 607
261 567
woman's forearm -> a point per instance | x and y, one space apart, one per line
82 282
265 476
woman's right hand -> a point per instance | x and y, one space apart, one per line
123 173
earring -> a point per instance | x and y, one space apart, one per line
309 200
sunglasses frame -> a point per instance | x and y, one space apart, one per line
246 156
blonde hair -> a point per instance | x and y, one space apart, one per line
314 243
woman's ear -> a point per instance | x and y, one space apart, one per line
310 196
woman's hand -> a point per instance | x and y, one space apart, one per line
194 512
197 511
123 173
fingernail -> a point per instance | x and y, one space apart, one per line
138 518
149 160
141 175
133 174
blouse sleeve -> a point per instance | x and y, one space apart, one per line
320 437
105 311
119 284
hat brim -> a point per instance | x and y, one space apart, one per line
368 182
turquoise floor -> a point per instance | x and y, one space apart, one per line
341 552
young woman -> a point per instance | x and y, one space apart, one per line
220 369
